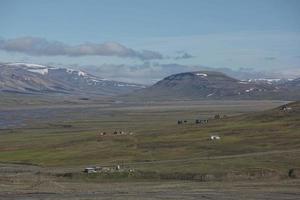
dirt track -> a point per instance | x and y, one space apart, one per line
164 190
25 182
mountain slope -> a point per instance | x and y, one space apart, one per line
212 85
32 78
201 85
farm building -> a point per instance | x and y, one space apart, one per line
90 170
215 137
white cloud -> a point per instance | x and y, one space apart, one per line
42 47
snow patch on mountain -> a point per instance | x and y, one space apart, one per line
39 71
35 68
249 90
27 65
210 94
80 73
201 74
243 82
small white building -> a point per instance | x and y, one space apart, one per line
215 137
90 170
286 108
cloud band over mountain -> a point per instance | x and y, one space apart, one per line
42 47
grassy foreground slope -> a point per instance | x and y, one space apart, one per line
267 140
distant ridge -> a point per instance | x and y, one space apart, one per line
34 78
215 85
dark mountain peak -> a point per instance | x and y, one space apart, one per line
204 76
200 75
196 79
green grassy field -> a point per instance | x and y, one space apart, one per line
250 141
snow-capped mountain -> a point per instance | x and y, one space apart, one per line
34 78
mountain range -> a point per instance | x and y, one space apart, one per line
33 79
200 85
219 86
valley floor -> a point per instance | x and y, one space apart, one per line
44 149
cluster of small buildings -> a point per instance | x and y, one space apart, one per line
203 121
197 121
116 133
117 168
218 116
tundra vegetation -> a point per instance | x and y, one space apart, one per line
49 150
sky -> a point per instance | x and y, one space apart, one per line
144 40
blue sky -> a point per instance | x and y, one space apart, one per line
258 34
